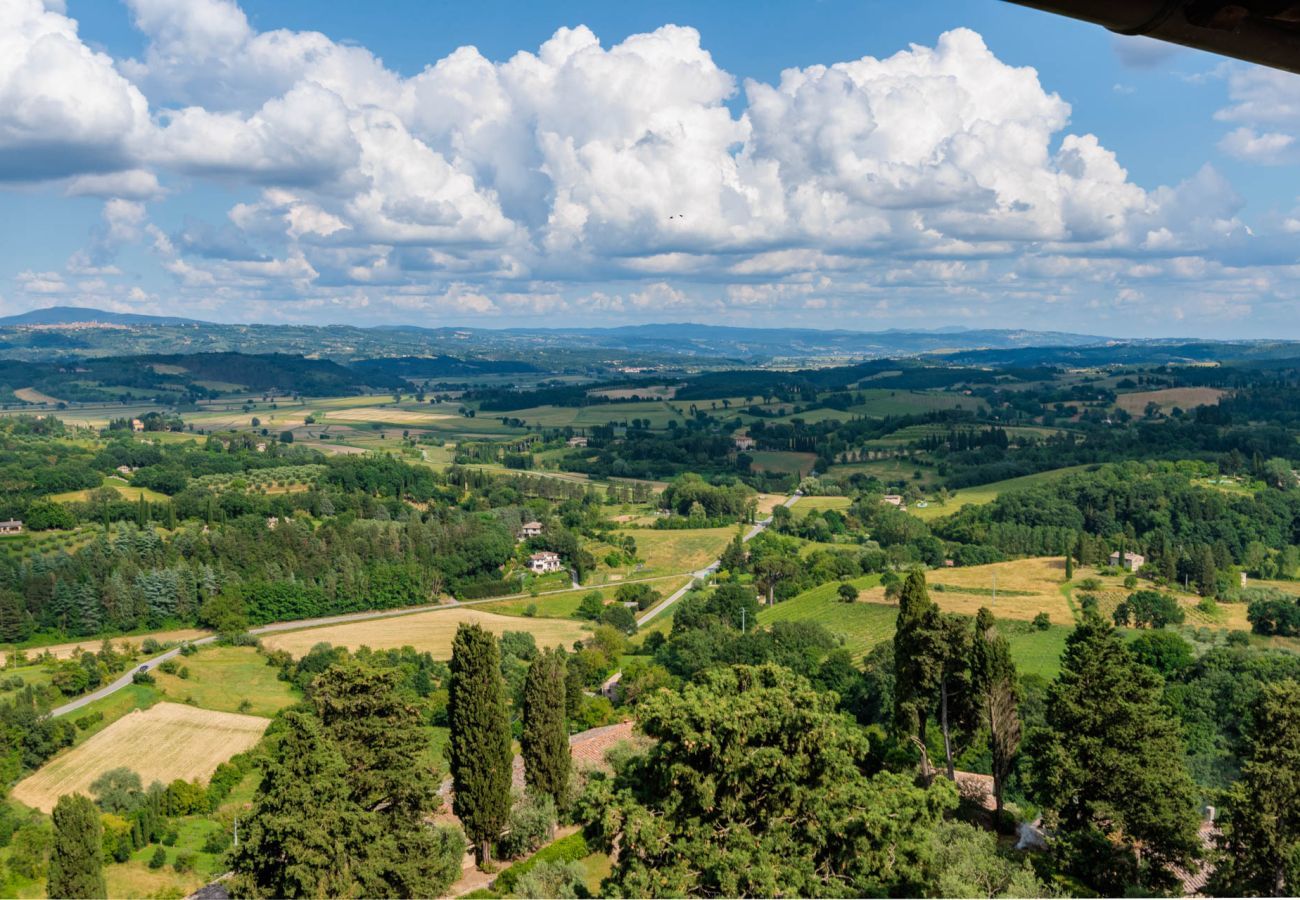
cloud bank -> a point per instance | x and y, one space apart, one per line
638 179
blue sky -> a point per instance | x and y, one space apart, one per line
827 164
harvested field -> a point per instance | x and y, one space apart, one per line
430 631
64 651
163 743
1026 587
385 414
670 551
31 395
1185 398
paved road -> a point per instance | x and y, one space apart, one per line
298 625
757 529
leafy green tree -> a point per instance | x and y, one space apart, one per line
1109 768
545 739
968 863
117 790
1259 848
995 688
755 786
480 738
847 593
1164 651
76 858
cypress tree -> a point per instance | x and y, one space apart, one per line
545 740
1069 567
918 663
76 859
995 686
480 738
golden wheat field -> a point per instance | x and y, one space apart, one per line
64 651
1187 398
162 743
430 631
385 414
1026 587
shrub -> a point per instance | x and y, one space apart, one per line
216 842
143 678
149 646
560 880
531 824
1042 621
569 849
530 611
184 862
159 858
168 666
84 722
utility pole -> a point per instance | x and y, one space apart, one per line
742 620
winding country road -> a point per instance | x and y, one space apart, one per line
757 529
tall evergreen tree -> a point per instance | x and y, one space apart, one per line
1259 847
296 841
76 858
480 737
1110 768
545 739
995 687
918 663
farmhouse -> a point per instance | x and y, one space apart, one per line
577 442
1131 561
11 526
137 425
893 500
530 530
546 561
125 470
744 442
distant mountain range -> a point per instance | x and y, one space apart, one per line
78 315
416 352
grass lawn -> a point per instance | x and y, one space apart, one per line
222 678
134 878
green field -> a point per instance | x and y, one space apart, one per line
987 493
808 504
117 483
783 461
879 403
860 626
223 678
677 551
563 605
